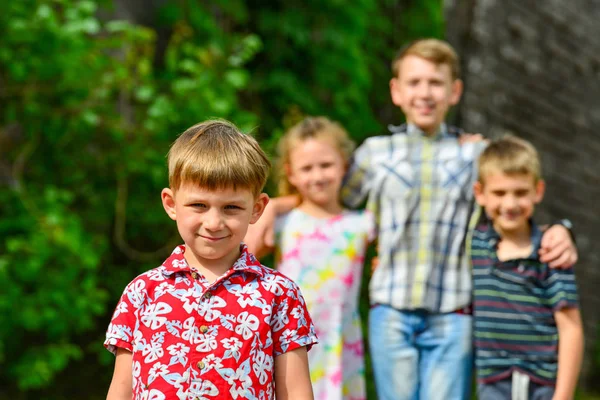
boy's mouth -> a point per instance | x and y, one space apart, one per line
511 215
212 238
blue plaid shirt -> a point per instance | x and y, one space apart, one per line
420 190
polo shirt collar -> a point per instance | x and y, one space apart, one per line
492 237
246 262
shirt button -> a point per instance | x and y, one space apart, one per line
195 275
200 365
207 295
204 329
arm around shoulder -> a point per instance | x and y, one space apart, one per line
570 351
292 377
122 380
260 237
558 248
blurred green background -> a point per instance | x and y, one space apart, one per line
92 93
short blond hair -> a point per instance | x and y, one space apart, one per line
319 128
437 51
510 155
215 154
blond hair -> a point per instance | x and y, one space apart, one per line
214 154
319 128
510 155
437 51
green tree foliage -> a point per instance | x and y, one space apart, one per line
88 109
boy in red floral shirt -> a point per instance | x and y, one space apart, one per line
211 322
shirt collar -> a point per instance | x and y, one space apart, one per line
493 237
246 262
413 130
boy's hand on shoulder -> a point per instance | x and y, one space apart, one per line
557 248
261 234
471 138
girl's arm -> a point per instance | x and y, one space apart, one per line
260 237
292 379
121 384
570 352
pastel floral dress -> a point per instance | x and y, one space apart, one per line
325 258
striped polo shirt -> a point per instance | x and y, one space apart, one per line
514 305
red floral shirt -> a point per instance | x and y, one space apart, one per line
195 340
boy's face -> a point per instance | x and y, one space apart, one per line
509 200
212 223
425 92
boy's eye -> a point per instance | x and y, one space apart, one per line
326 165
522 193
233 207
198 205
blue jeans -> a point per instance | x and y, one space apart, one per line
421 356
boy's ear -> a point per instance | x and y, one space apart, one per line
540 189
456 91
259 207
478 192
395 92
168 200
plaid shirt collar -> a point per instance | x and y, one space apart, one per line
412 130
246 262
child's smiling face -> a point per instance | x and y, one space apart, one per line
316 169
425 92
212 223
509 200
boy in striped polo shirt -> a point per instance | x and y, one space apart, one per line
527 326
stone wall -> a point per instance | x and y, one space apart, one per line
533 68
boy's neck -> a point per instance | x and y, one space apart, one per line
515 243
210 269
319 211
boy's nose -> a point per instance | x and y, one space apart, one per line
510 202
213 220
424 90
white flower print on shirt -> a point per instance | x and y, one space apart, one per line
136 292
151 315
263 363
191 332
247 324
207 309
157 370
179 351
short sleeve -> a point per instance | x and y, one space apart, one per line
291 324
561 289
357 182
123 322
